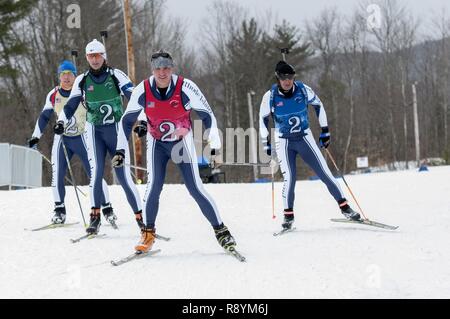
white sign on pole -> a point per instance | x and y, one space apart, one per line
362 162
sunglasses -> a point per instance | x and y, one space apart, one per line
94 55
284 77
63 73
161 55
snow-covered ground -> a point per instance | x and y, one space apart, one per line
320 260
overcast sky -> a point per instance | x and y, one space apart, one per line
294 11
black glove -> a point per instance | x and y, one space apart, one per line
267 147
141 129
59 128
324 139
118 159
32 142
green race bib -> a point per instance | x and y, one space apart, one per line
104 103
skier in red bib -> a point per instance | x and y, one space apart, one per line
168 100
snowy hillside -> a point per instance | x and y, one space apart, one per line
321 259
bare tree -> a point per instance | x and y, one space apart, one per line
441 24
325 33
385 42
353 45
223 25
49 40
404 44
155 29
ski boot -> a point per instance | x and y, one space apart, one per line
60 214
224 237
95 222
350 213
147 240
109 214
288 221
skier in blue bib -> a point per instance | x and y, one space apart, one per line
287 102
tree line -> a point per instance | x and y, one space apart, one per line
363 74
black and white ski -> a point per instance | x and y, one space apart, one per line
134 256
162 237
87 236
233 252
284 231
113 224
51 226
364 222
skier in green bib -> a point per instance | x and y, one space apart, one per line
73 138
101 89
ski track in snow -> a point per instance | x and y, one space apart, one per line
320 259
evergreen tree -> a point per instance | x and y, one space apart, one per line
11 12
288 36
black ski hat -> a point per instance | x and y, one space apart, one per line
284 68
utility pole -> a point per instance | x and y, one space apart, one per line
253 140
137 147
416 123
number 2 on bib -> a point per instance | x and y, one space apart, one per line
108 118
295 121
168 128
72 126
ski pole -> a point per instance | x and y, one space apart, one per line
345 182
67 179
244 164
74 57
73 179
104 35
284 52
138 180
273 191
135 167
